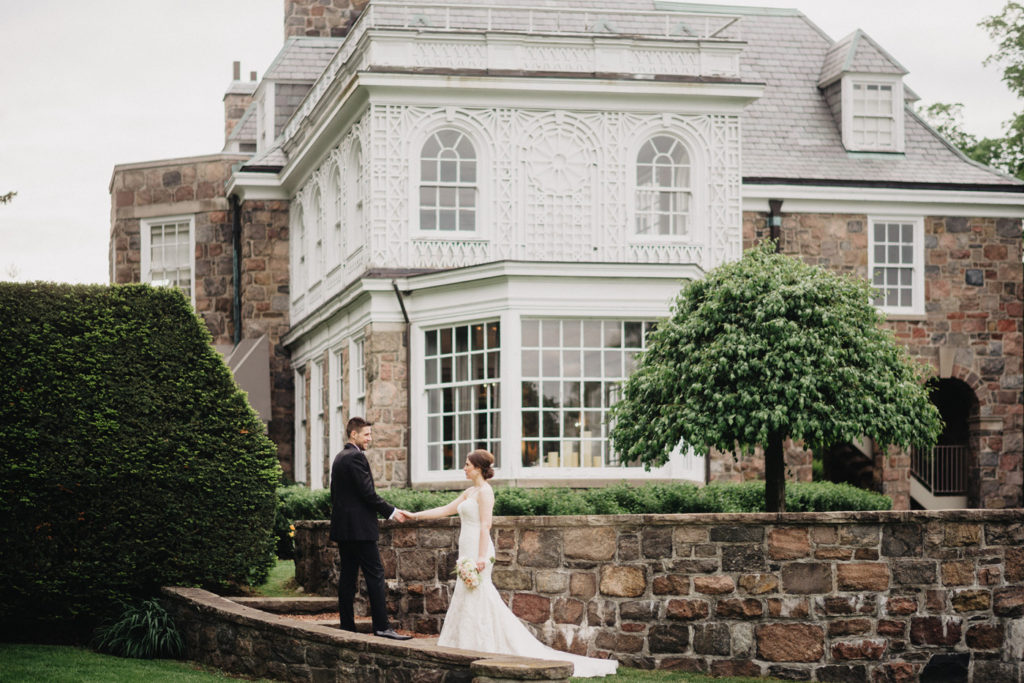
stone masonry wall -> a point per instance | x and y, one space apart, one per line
322 18
973 333
858 596
191 186
242 640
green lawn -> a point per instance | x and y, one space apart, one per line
61 664
281 582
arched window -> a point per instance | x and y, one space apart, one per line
354 198
663 192
316 268
448 190
337 206
298 227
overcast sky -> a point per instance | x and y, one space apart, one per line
87 85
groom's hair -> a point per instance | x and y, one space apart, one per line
355 424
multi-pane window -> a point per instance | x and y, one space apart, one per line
448 183
168 253
336 427
338 201
317 265
354 198
571 373
873 123
895 255
300 424
298 225
357 367
462 371
316 422
662 187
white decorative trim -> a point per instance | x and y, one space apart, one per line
863 200
145 245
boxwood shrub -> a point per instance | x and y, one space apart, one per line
129 458
298 502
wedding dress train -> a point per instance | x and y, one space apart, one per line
478 618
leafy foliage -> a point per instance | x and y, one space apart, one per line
625 499
1005 154
765 348
143 631
129 458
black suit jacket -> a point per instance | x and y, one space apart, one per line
354 500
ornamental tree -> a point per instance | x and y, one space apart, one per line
767 348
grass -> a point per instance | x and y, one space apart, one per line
281 582
62 664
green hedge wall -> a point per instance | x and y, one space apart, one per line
298 502
129 458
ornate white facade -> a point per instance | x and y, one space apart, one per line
553 185
465 168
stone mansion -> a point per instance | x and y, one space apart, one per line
461 219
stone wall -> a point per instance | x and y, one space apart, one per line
970 332
175 187
321 18
860 596
247 641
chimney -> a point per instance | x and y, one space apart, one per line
237 98
320 18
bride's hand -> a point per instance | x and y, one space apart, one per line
481 565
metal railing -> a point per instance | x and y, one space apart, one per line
561 20
942 469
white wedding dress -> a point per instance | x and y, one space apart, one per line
478 618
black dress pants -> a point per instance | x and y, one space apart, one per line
365 555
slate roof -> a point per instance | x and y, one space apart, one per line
302 58
790 134
245 129
857 52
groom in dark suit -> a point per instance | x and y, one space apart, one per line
354 508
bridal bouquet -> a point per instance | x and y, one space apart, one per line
466 570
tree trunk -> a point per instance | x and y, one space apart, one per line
774 475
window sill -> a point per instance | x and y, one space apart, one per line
905 317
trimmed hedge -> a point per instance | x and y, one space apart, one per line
129 458
298 502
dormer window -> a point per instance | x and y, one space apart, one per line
873 120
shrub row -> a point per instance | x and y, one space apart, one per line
129 458
298 502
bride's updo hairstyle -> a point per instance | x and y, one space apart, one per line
482 460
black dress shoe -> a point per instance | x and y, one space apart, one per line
390 633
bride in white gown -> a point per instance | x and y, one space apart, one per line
478 618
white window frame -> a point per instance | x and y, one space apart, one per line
482 152
146 226
335 200
316 260
336 424
917 265
658 189
357 378
355 199
316 435
297 222
489 358
895 82
680 466
300 454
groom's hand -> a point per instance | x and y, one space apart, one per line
401 515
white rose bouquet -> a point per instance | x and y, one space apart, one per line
466 570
